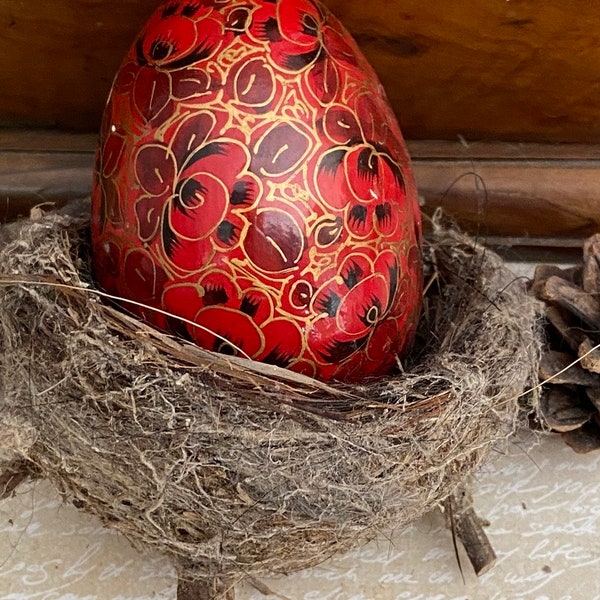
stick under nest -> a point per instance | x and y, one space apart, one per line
232 467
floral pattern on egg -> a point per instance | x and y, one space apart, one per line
251 178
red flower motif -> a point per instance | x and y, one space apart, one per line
233 320
167 64
180 35
292 30
353 305
146 95
298 38
366 184
365 118
190 186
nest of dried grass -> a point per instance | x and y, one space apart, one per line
236 468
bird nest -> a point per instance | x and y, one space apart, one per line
235 468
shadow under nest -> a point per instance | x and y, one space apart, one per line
235 468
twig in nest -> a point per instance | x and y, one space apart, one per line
467 527
203 590
264 589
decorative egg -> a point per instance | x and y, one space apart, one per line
253 192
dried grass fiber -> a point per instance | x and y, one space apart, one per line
234 468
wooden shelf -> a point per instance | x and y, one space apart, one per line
529 195
515 190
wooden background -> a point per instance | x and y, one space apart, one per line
500 100
521 70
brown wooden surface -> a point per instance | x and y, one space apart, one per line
520 70
58 57
515 190
38 167
515 194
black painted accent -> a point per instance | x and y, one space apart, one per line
185 190
367 168
169 10
330 304
249 306
393 270
214 295
204 151
297 62
227 232
383 212
190 9
139 53
278 357
310 26
396 170
332 161
241 194
270 31
373 302
352 276
338 351
358 214
169 239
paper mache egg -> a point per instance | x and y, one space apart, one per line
253 191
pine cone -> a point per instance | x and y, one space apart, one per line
570 365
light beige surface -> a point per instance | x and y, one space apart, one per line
543 504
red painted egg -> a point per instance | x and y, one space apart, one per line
252 179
